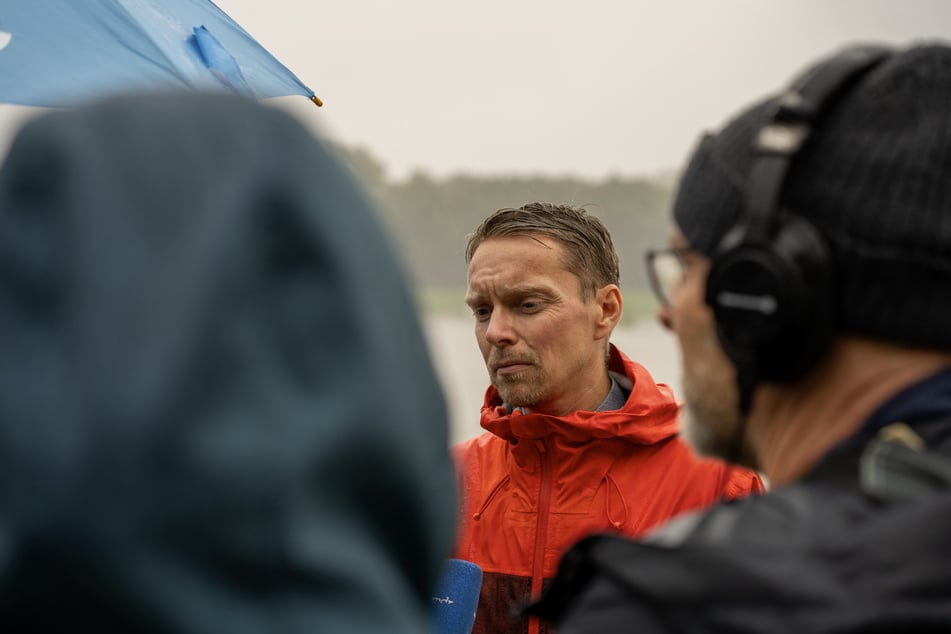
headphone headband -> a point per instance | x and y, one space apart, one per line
791 124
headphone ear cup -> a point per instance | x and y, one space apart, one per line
773 303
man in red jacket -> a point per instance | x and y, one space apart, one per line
580 439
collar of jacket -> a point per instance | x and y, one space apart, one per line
648 417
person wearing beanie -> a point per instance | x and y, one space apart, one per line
217 410
807 284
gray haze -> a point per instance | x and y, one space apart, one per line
549 86
582 87
587 88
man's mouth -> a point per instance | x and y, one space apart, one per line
506 368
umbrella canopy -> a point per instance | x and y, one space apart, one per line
60 53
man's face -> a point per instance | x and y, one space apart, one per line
543 344
712 416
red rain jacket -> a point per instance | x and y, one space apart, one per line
535 484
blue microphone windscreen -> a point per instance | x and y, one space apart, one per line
456 597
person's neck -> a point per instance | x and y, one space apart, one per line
792 427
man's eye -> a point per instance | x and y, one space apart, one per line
531 306
481 313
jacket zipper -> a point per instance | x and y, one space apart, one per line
541 530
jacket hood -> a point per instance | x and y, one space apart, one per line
652 406
217 410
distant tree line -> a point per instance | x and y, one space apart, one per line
432 217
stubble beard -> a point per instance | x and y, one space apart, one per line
523 389
711 414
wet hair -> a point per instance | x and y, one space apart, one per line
589 251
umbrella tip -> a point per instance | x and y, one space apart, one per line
316 100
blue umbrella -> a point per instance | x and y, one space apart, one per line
60 53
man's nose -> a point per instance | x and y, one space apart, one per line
500 329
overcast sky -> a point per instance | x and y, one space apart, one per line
585 87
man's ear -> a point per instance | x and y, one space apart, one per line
609 304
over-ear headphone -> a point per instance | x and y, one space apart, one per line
771 284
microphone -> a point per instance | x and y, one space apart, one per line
456 597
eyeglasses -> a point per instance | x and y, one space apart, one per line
666 269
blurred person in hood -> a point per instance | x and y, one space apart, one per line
217 410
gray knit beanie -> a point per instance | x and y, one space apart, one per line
874 179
